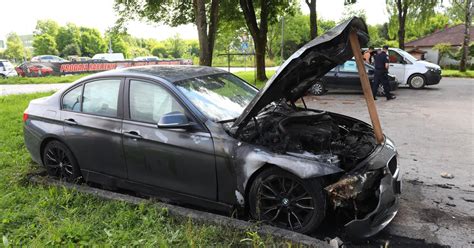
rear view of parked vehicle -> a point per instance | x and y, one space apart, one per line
7 69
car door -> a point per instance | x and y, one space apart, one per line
180 160
348 76
397 65
92 115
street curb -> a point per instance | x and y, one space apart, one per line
186 213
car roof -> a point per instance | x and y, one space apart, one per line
173 73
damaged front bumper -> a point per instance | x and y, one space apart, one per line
372 195
383 214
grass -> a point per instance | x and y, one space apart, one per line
42 80
42 216
457 73
249 76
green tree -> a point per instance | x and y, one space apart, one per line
71 49
15 49
67 35
118 42
49 27
313 18
160 51
297 33
443 50
91 42
44 44
175 46
268 13
403 10
203 13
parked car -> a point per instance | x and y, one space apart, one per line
111 57
411 71
7 69
78 59
147 58
202 136
346 76
34 70
48 58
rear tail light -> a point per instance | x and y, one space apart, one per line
25 117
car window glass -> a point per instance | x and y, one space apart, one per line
101 97
72 100
394 57
148 102
349 66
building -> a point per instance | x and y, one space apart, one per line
27 40
453 35
3 45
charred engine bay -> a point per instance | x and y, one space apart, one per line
310 134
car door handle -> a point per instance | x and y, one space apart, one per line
391 65
132 134
70 121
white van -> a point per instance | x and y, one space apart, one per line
409 70
7 69
109 56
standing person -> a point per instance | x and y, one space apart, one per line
381 74
368 58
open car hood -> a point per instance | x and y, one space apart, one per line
305 66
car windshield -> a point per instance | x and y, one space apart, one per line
407 55
220 97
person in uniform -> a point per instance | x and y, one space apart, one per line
381 63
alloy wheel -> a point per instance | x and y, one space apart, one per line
284 202
58 163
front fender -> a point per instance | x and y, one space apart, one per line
253 158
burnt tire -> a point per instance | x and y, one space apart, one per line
282 199
318 88
60 162
417 81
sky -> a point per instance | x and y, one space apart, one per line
21 16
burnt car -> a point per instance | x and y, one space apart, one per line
201 136
346 76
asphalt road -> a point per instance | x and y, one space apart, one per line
433 129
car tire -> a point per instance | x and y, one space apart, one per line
318 88
60 162
416 81
282 199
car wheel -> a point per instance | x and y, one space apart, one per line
60 162
416 81
287 201
318 88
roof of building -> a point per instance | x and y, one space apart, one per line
453 35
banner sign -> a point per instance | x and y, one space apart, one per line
39 69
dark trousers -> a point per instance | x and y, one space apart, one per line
381 77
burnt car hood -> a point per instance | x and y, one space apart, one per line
299 72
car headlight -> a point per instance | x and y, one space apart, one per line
431 68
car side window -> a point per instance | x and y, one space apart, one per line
148 102
394 57
101 97
72 100
349 66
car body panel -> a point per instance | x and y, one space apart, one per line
338 78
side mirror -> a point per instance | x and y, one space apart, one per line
370 71
175 119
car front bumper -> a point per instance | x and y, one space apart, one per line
432 77
383 214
